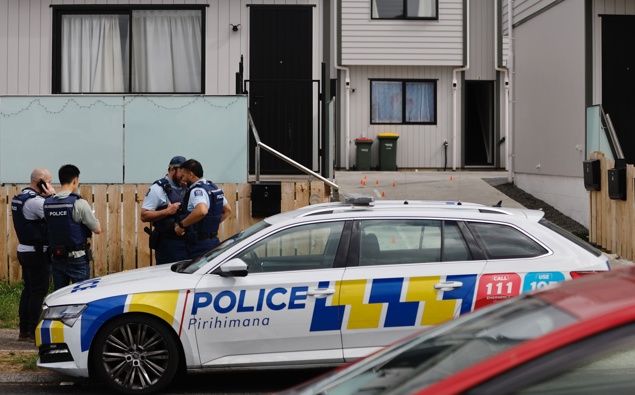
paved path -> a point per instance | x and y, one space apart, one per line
464 186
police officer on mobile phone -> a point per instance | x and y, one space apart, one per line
27 210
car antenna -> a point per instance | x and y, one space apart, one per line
499 204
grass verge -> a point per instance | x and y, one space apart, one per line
14 362
9 302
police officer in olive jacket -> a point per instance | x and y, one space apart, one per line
71 222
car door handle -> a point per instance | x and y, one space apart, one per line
321 292
448 285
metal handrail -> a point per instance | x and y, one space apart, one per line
260 144
611 136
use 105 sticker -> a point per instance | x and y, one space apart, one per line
538 280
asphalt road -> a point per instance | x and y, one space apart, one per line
244 383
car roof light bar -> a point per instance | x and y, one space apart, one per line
358 199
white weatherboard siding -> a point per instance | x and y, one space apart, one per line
25 41
549 107
549 92
481 41
419 146
366 41
524 9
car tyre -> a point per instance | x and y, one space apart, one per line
135 354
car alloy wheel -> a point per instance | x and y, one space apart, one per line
136 354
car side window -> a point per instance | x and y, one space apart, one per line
454 246
304 247
504 242
387 242
590 377
599 364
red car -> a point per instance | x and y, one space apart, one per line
577 337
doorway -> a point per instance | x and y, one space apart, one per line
479 142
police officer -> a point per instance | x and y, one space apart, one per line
205 208
161 206
70 222
28 220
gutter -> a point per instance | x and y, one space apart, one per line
510 154
455 83
347 82
505 70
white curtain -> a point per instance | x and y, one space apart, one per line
422 8
420 102
166 51
386 103
92 58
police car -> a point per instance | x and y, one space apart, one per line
321 285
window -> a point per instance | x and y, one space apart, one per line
128 50
404 9
403 102
304 247
388 242
597 364
504 242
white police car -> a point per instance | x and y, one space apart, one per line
321 285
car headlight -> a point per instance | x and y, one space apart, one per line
67 314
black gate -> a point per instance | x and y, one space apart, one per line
282 95
618 78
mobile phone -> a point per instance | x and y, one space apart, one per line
41 185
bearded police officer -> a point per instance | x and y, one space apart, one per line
28 220
161 206
205 208
70 222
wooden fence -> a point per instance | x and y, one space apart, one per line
612 221
123 244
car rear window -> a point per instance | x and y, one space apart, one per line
502 241
570 236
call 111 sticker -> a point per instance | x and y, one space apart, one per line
493 288
537 280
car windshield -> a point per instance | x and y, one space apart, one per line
195 264
445 350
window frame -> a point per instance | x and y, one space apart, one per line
340 247
471 247
404 82
405 13
483 244
58 11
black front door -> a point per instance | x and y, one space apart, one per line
280 86
618 78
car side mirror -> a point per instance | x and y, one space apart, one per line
235 267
